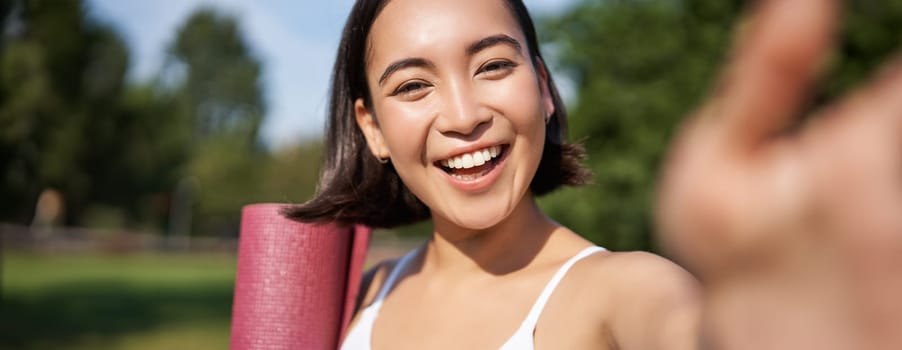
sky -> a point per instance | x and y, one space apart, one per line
296 41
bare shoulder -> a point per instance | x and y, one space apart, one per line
634 272
646 294
639 300
631 271
617 279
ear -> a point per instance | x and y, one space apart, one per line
367 123
547 101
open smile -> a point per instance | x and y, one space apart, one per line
474 165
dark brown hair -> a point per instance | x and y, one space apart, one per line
354 187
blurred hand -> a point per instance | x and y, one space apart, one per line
795 230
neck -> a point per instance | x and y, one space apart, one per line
506 247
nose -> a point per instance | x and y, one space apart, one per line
461 112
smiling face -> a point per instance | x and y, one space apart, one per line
457 105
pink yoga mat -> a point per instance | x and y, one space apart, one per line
296 283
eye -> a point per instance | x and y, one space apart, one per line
410 88
496 69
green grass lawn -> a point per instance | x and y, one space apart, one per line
148 301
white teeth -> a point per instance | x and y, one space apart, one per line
478 159
469 160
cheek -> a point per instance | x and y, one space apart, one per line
520 100
404 128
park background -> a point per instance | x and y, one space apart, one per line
122 181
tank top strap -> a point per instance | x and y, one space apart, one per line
392 278
536 311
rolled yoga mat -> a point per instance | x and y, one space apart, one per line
296 283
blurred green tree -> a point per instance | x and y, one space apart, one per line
179 153
216 79
220 77
64 123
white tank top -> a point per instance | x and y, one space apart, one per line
360 336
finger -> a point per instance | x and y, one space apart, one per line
856 150
886 97
872 114
868 128
868 123
776 58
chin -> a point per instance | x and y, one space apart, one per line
479 217
479 224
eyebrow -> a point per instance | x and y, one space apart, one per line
492 41
474 48
402 64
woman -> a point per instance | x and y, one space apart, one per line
445 110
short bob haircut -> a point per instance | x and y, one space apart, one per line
355 187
